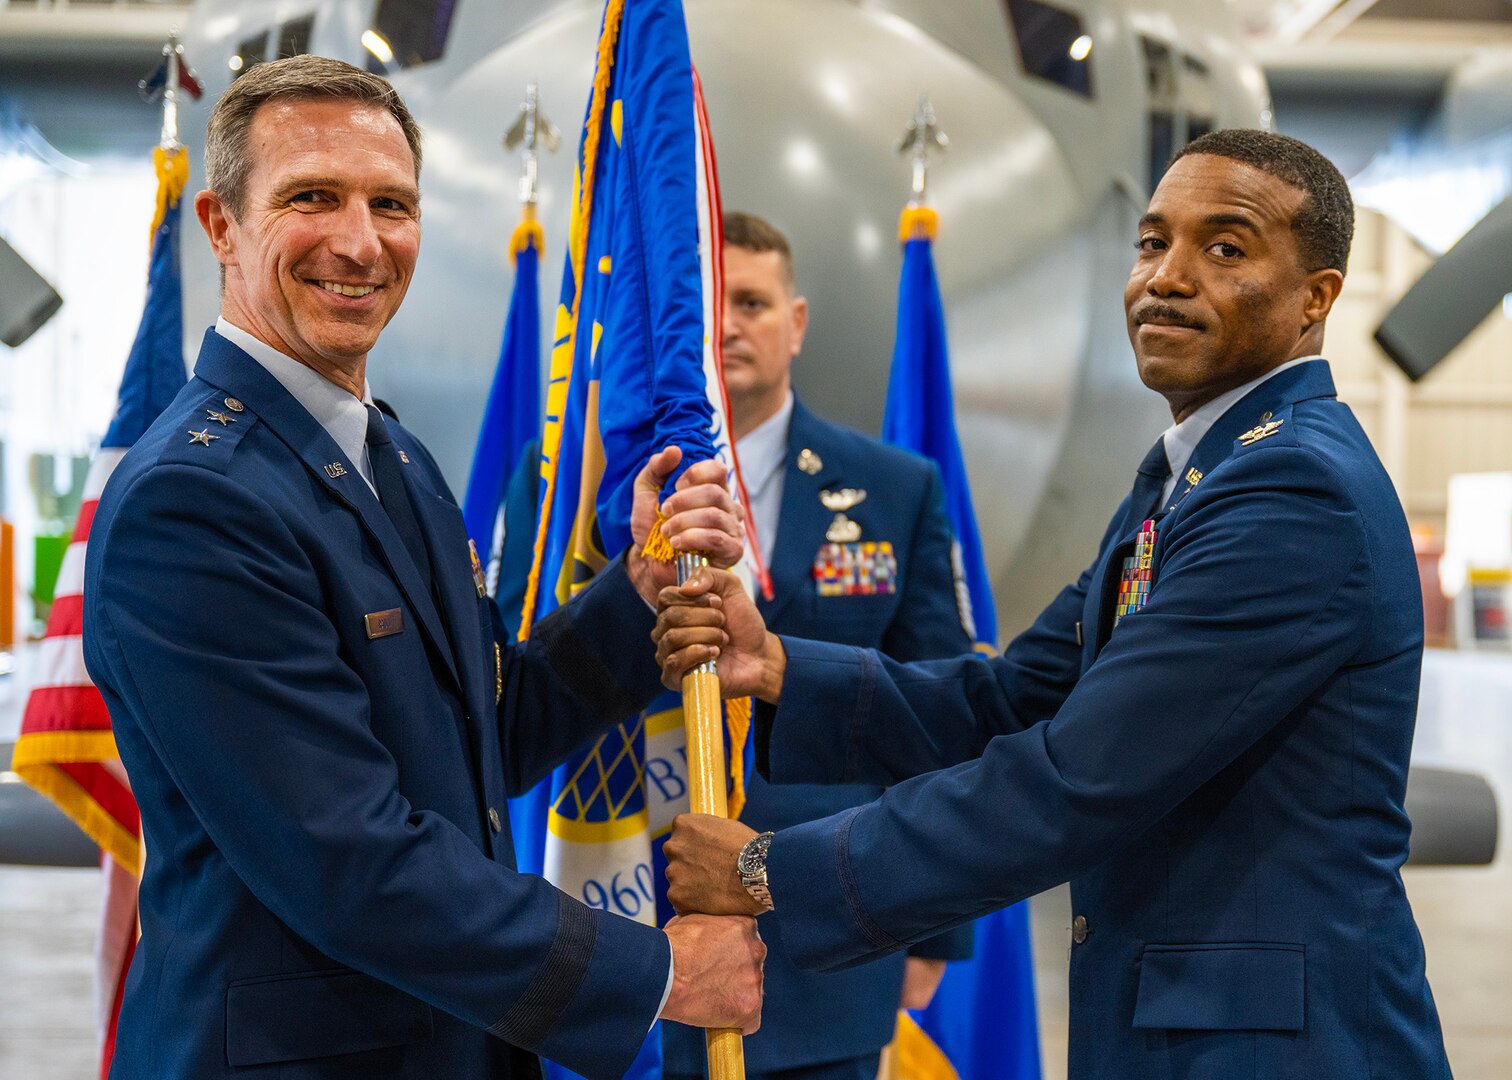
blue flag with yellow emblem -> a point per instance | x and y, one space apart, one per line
634 368
981 1024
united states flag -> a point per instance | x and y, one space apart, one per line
66 749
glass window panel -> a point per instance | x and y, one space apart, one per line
252 51
414 30
1053 44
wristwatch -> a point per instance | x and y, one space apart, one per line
752 869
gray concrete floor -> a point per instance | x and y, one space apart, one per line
48 916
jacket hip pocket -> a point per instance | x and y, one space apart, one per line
1238 986
318 1014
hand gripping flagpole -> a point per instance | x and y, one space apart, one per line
703 727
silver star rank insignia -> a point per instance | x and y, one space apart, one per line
1263 431
202 437
219 417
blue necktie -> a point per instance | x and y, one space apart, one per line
392 494
1148 482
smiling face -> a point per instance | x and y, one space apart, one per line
763 330
324 250
1219 294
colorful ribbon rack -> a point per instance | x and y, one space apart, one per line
1134 582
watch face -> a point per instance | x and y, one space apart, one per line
752 859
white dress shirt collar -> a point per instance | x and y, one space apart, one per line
343 416
1182 439
763 453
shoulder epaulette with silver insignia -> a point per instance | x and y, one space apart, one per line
208 434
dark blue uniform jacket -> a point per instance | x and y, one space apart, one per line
1220 777
329 887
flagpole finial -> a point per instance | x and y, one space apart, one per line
922 137
532 130
174 53
172 76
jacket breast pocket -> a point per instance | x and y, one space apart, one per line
318 1014
1240 986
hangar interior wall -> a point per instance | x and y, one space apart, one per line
1458 418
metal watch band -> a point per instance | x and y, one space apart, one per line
751 866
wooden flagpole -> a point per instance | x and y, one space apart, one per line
704 728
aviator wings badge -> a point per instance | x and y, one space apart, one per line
842 500
1262 431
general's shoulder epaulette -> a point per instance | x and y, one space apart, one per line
209 433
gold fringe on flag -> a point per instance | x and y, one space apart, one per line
658 548
172 168
578 252
528 233
40 758
915 1056
917 223
738 720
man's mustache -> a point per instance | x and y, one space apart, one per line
1153 310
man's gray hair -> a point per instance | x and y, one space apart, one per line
228 161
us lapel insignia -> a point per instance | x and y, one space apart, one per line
404 457
842 500
842 531
219 417
477 569
809 462
202 437
1261 431
1193 477
335 469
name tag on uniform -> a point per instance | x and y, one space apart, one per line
384 623
868 568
